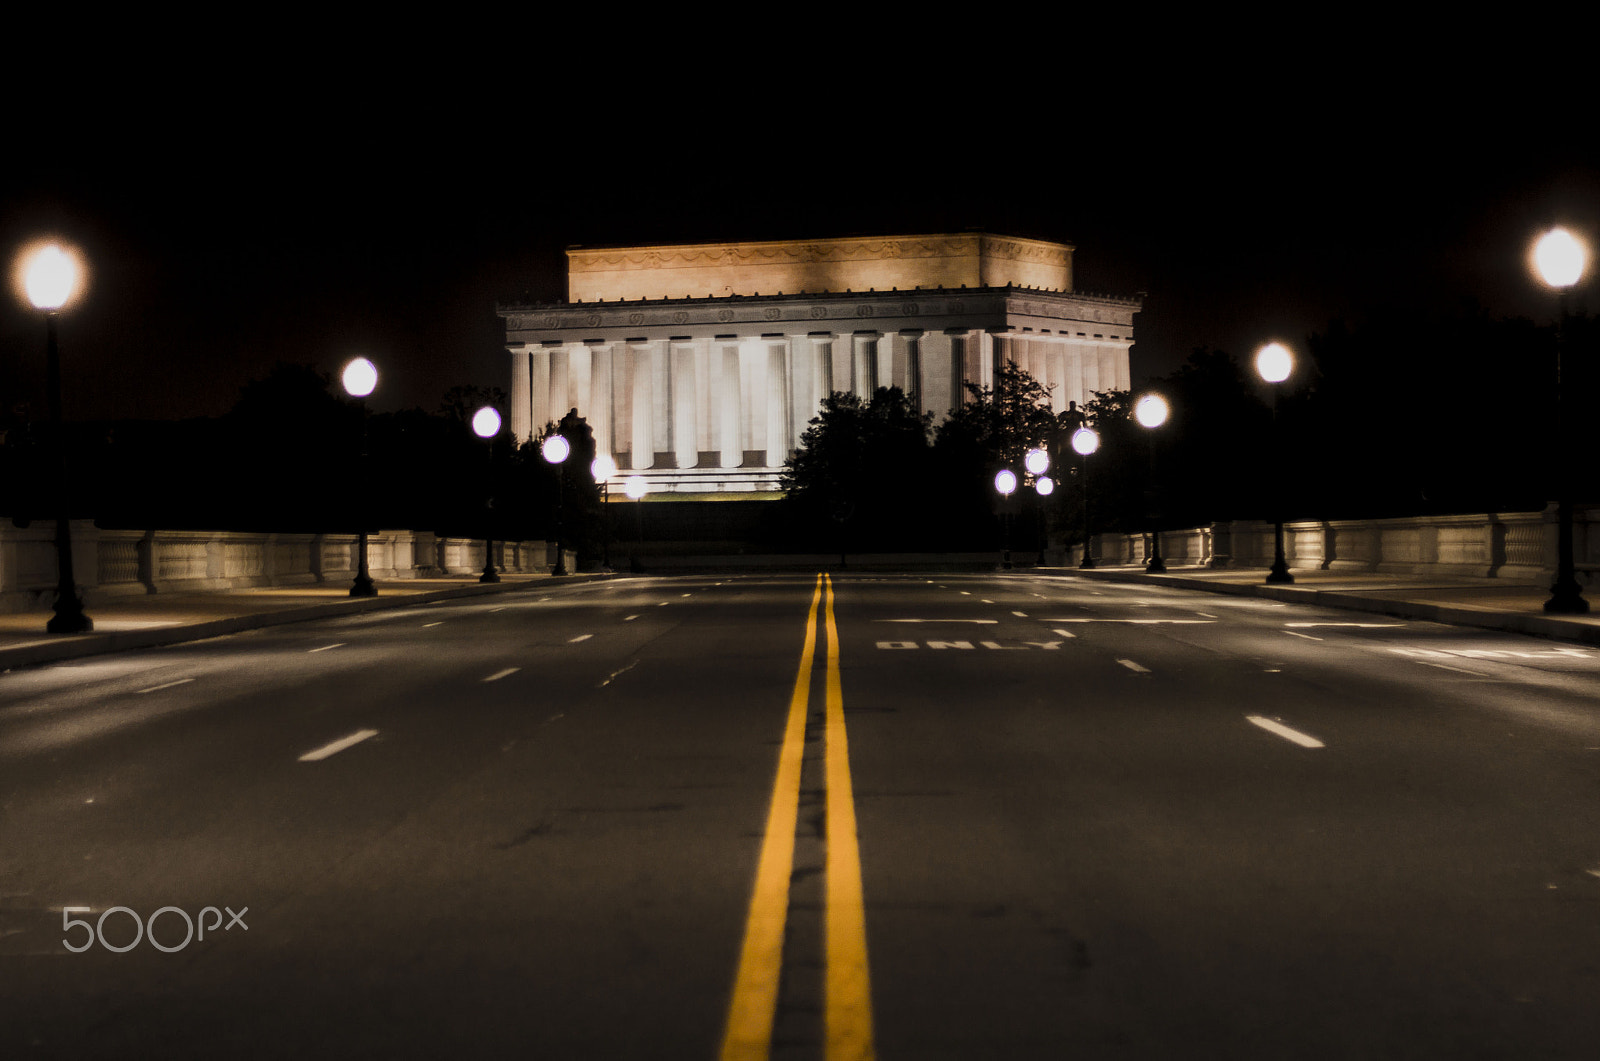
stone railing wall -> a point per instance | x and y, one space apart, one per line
1515 546
114 562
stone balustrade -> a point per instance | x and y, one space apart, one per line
114 562
1513 546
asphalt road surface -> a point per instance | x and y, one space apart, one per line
795 816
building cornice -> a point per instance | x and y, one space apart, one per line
769 311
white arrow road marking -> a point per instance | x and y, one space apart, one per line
338 746
1280 730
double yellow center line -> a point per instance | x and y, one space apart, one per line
847 990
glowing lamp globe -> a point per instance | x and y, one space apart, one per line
635 487
1274 362
1085 440
360 378
486 422
555 449
603 468
50 277
1006 481
1045 485
1037 462
1151 410
1559 258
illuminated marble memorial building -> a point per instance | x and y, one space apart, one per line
699 367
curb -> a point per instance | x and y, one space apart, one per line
94 644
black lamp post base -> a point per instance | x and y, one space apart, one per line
489 575
1155 563
363 587
1280 573
1566 598
1087 563
69 619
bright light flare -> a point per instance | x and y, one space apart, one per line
555 449
1085 440
360 378
1037 462
1151 410
635 487
486 422
1274 362
50 275
1045 485
1560 258
602 468
1006 481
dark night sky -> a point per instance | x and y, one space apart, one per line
233 231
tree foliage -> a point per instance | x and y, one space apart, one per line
860 476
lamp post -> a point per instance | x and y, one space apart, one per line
486 425
1005 481
556 450
603 468
360 378
51 276
1044 486
1151 412
1085 441
1037 462
635 487
1560 259
1274 362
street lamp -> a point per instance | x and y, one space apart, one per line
360 378
556 450
635 487
486 425
1274 362
1037 462
1560 259
1151 412
1005 481
603 468
51 275
1085 441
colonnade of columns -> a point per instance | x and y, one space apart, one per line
743 401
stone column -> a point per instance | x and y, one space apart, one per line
841 370
804 390
660 399
644 404
727 391
580 362
684 433
864 363
521 394
539 400
600 402
778 430
752 395
560 362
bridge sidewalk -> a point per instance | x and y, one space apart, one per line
1479 602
